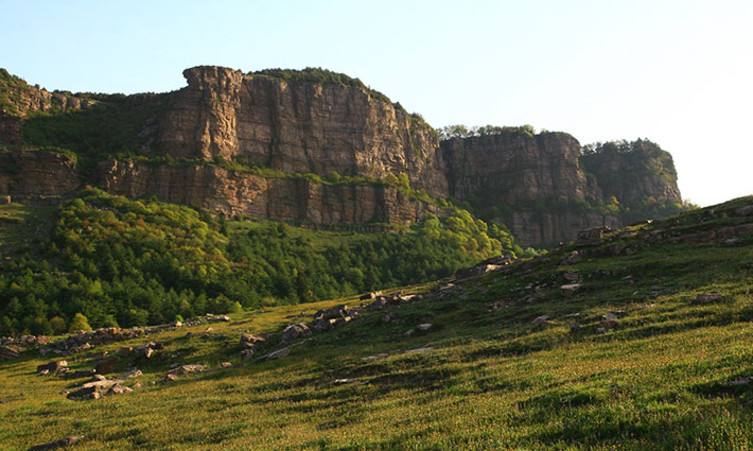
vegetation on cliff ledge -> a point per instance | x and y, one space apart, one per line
130 262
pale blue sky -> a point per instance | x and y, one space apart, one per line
677 72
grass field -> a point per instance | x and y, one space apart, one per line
670 373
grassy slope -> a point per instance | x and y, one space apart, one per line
490 378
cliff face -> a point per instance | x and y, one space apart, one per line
37 174
292 123
239 194
297 125
532 184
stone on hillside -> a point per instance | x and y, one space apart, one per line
572 277
570 289
744 211
425 327
226 365
278 354
177 324
98 387
340 311
54 367
294 332
371 295
57 444
9 352
184 370
134 373
543 319
251 340
608 324
707 298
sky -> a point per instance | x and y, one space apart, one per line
678 72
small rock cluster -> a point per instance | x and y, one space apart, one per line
183 370
98 387
250 345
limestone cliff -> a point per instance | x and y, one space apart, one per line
298 124
37 174
283 198
258 144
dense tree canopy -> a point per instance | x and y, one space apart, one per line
112 261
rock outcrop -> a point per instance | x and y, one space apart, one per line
36 174
241 194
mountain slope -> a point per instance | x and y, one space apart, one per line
649 350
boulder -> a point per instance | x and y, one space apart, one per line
425 327
572 258
226 365
571 277
744 211
251 340
570 289
54 367
98 387
294 332
371 295
184 370
539 320
340 311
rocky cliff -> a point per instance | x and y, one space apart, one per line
236 194
37 174
265 143
293 122
545 188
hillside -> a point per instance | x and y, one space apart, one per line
319 148
638 339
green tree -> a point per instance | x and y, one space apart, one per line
79 323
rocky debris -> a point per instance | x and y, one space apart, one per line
226 365
572 258
744 211
294 332
57 444
369 296
707 298
55 367
98 387
25 341
134 373
183 370
425 327
570 289
539 320
87 340
10 352
250 344
571 277
278 354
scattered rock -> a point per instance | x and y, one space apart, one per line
744 211
134 373
572 277
543 319
425 327
226 365
294 332
570 289
57 444
99 387
184 370
9 352
368 296
278 354
342 381
54 367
